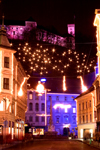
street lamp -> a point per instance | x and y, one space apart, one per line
40 88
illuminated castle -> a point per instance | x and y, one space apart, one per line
42 34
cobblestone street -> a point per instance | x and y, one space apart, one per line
52 145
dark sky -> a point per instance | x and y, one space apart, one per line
57 13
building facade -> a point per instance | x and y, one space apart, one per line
12 107
86 113
63 112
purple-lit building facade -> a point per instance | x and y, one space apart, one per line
38 112
15 32
63 112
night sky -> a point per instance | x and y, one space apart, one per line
57 13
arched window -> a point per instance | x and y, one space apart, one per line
36 107
30 106
42 107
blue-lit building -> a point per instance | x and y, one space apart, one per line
63 112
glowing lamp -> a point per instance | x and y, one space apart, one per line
40 88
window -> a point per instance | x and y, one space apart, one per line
79 119
86 118
79 107
30 95
12 108
12 124
57 119
6 83
9 123
30 118
83 106
36 107
13 32
42 119
57 98
36 96
65 98
86 105
90 118
74 110
74 119
42 107
66 119
37 118
6 62
30 106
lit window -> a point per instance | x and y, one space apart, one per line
57 119
74 110
6 62
6 83
30 95
66 119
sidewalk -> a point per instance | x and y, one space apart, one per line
91 143
4 146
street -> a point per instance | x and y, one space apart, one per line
52 145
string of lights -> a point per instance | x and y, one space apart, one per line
48 61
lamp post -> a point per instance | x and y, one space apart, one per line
40 89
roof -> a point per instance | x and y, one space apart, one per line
3 38
88 91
